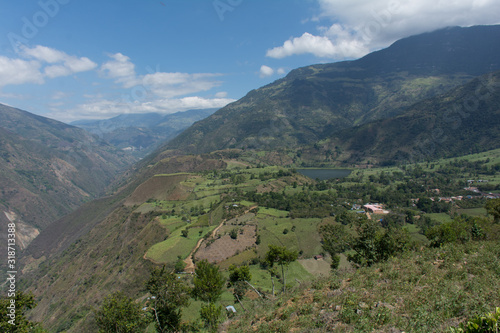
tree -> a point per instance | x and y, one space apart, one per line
211 314
208 285
282 256
365 244
16 321
119 313
169 295
335 241
493 208
239 278
208 282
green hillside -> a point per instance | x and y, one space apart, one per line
262 205
47 170
462 121
313 102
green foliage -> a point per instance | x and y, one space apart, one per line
335 237
120 314
179 265
335 261
13 313
365 245
282 256
211 315
489 323
416 291
233 233
238 279
169 295
493 208
239 273
208 282
461 229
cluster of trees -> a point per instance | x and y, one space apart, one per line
171 292
367 241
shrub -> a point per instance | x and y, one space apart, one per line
479 324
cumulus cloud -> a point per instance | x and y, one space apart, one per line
266 71
62 64
121 69
159 84
363 26
19 71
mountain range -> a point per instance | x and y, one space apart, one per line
48 169
426 96
314 102
139 134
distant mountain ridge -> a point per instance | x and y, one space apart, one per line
48 168
312 102
462 121
141 133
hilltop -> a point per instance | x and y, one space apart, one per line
313 102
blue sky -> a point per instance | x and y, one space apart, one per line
75 59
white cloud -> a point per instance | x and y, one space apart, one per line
19 71
104 109
281 71
187 103
45 54
63 64
221 94
121 69
266 71
363 26
159 84
169 85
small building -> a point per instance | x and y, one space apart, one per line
318 256
375 209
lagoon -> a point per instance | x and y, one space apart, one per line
324 174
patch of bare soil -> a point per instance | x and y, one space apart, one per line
223 247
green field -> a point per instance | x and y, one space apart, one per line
176 245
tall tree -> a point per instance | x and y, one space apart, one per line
120 314
208 286
282 256
239 278
493 208
335 241
169 295
208 282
